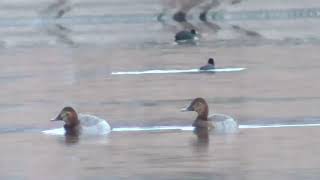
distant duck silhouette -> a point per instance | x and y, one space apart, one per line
210 65
186 36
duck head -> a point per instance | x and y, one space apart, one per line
200 106
69 116
211 61
193 31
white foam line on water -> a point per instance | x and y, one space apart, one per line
58 131
155 128
173 71
190 128
61 131
276 126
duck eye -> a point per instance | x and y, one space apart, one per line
199 104
65 114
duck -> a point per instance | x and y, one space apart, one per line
209 66
186 36
82 124
218 122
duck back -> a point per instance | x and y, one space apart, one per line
93 125
207 67
184 35
224 123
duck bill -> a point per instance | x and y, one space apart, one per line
186 109
58 118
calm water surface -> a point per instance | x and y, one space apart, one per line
49 63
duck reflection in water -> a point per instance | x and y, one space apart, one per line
71 138
203 138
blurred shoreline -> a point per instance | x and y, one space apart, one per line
143 23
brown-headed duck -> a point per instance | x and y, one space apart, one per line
219 122
210 65
76 124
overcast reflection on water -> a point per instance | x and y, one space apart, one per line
65 53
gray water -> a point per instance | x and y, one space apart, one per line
48 63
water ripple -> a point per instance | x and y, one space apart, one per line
275 14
